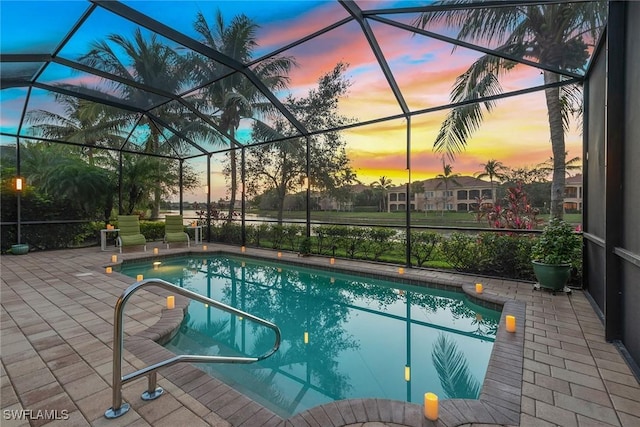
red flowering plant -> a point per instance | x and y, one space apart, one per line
515 212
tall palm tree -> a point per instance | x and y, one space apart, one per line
382 185
148 61
551 34
493 169
234 97
446 178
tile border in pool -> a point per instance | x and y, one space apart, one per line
500 396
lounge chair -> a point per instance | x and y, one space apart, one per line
129 234
174 230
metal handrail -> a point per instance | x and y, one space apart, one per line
154 392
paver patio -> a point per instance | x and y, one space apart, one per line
56 339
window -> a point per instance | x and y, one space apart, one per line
402 197
402 206
571 192
448 193
393 197
462 194
487 194
474 194
429 194
462 207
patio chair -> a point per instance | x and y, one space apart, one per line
174 230
129 234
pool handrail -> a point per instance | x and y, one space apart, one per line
154 392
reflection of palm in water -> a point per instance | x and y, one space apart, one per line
455 377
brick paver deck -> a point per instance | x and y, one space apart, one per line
56 340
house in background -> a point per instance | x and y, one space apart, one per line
573 194
463 195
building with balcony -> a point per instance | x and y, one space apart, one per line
463 195
573 194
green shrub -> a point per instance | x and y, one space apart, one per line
423 245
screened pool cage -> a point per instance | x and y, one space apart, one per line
242 93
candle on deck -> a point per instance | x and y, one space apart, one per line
479 288
431 406
139 277
108 270
511 323
171 302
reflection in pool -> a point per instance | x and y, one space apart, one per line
343 336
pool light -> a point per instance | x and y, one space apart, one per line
431 406
511 323
407 373
479 288
171 302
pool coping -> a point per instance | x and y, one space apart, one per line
500 396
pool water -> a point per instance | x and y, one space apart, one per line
343 336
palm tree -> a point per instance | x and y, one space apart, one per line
492 169
234 97
572 164
382 185
80 121
551 34
446 177
150 62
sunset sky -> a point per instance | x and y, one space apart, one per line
515 133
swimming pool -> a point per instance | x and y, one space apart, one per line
343 336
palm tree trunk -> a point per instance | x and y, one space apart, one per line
234 185
554 109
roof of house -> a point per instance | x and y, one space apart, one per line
459 182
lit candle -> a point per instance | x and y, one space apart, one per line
479 288
243 249
114 258
171 302
407 373
139 277
431 406
511 323
401 270
332 261
306 337
109 270
204 247
279 254
155 251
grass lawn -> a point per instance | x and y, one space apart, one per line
450 219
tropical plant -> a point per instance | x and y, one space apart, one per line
572 164
232 96
494 170
447 177
382 185
150 62
558 244
550 34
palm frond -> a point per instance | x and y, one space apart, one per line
453 371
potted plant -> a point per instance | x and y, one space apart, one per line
554 253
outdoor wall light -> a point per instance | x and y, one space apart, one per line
18 184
